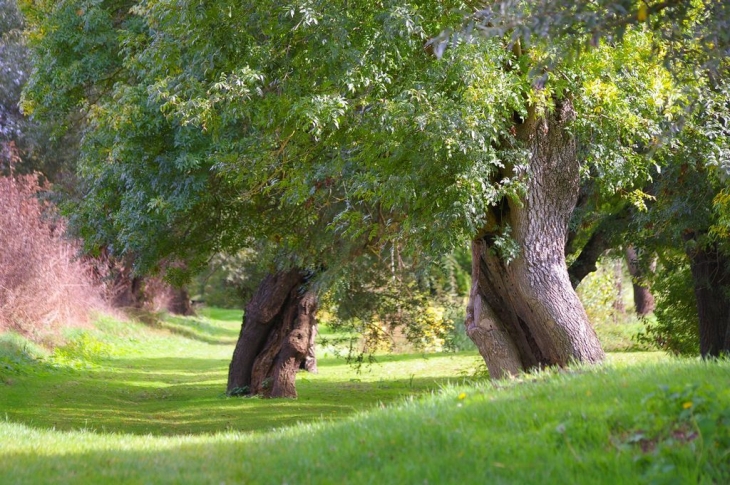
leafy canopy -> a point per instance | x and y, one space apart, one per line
316 131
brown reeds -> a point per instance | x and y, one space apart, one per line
43 285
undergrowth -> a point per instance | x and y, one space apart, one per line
43 286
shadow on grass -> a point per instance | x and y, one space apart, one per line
374 360
199 330
19 357
202 326
194 328
558 430
222 314
174 396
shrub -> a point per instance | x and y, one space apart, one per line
677 326
42 285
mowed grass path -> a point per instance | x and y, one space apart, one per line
129 378
128 404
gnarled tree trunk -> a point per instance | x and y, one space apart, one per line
525 313
310 360
275 337
711 279
644 302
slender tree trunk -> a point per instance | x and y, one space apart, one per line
643 299
586 262
618 302
525 313
711 278
275 337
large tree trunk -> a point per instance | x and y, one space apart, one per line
275 337
643 299
711 278
525 313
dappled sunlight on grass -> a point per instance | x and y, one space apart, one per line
558 426
150 407
168 384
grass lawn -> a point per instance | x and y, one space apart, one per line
127 403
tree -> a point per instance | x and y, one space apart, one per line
524 313
32 146
275 337
324 133
13 70
693 40
689 213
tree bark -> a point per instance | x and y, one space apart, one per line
275 337
711 279
310 361
644 302
179 303
524 313
128 291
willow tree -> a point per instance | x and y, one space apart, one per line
687 201
324 132
212 128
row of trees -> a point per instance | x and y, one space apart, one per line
344 141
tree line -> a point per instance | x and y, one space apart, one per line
348 145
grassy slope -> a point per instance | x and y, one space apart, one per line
120 408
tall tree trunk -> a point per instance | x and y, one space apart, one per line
643 299
275 337
525 313
711 279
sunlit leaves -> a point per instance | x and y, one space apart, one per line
311 121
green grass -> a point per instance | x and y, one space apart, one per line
128 403
170 379
620 337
